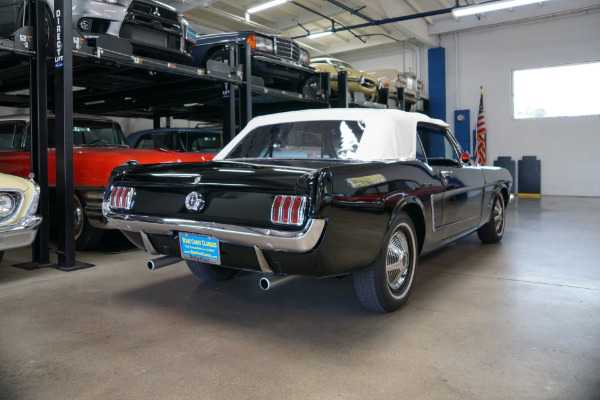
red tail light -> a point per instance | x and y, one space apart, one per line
288 210
122 197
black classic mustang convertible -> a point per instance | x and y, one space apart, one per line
318 192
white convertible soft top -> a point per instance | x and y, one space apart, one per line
388 134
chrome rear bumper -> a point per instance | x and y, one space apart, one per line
266 239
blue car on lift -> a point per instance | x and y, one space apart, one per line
207 140
280 61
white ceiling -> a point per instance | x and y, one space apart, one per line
297 18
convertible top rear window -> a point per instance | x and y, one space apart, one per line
302 139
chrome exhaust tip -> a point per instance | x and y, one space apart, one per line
269 282
162 262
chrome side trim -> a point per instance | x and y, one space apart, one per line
268 239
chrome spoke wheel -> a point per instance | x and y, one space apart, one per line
397 261
78 210
498 215
493 230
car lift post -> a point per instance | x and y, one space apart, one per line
65 192
229 104
39 132
246 97
38 85
342 92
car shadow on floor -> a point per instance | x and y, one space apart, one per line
296 308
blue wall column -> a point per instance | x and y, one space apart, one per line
437 83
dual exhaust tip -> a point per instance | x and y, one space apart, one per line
269 282
265 283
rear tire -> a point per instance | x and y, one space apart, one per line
493 230
385 285
1 255
221 55
210 272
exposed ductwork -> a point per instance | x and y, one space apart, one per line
372 22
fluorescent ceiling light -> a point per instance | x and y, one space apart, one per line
491 6
319 34
265 6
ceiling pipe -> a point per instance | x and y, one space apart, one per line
361 15
417 8
388 20
333 22
351 11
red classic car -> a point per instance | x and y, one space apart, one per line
99 146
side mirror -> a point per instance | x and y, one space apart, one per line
465 157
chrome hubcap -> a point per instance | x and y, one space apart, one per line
78 218
397 261
499 216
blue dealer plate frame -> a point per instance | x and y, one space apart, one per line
198 247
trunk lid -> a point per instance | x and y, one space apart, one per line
229 192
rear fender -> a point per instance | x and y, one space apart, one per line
415 209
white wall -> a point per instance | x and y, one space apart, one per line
567 147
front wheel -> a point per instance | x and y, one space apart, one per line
221 55
310 86
50 31
385 285
86 236
493 230
210 272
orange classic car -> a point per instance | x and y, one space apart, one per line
99 145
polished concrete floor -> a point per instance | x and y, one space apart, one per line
517 320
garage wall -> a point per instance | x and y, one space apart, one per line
567 147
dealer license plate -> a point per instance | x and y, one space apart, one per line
199 247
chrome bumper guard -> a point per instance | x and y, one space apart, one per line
20 234
266 239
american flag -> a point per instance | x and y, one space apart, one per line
480 156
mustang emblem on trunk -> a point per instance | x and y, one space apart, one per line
194 201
